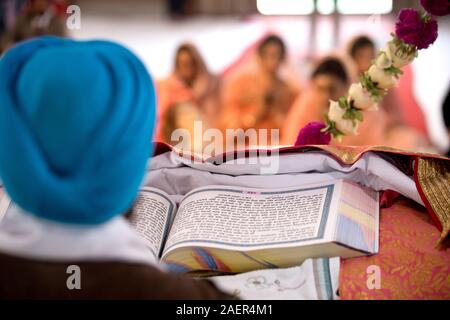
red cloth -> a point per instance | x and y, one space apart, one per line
388 198
410 265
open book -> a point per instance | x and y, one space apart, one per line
225 229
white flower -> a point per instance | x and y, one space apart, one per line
383 61
383 79
397 56
361 98
336 114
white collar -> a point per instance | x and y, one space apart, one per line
26 236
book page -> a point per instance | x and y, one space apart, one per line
358 219
151 216
245 218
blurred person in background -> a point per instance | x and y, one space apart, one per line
329 81
397 132
362 51
183 115
190 82
261 97
37 18
8 12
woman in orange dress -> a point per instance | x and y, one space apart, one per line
190 82
259 98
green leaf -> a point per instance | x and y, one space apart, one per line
425 16
376 93
331 128
396 72
354 115
404 48
343 103
359 115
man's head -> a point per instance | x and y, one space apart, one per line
76 123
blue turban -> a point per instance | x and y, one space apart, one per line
76 123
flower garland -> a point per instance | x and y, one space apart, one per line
414 31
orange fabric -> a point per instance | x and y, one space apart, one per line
411 266
306 108
171 91
252 99
410 109
371 131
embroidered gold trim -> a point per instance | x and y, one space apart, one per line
434 179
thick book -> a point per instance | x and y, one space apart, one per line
227 230
224 229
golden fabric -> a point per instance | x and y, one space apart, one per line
433 177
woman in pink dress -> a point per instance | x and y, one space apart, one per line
190 82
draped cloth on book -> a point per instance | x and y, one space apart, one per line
431 174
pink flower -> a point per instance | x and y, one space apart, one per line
311 134
436 7
416 30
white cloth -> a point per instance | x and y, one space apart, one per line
177 176
26 236
315 279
